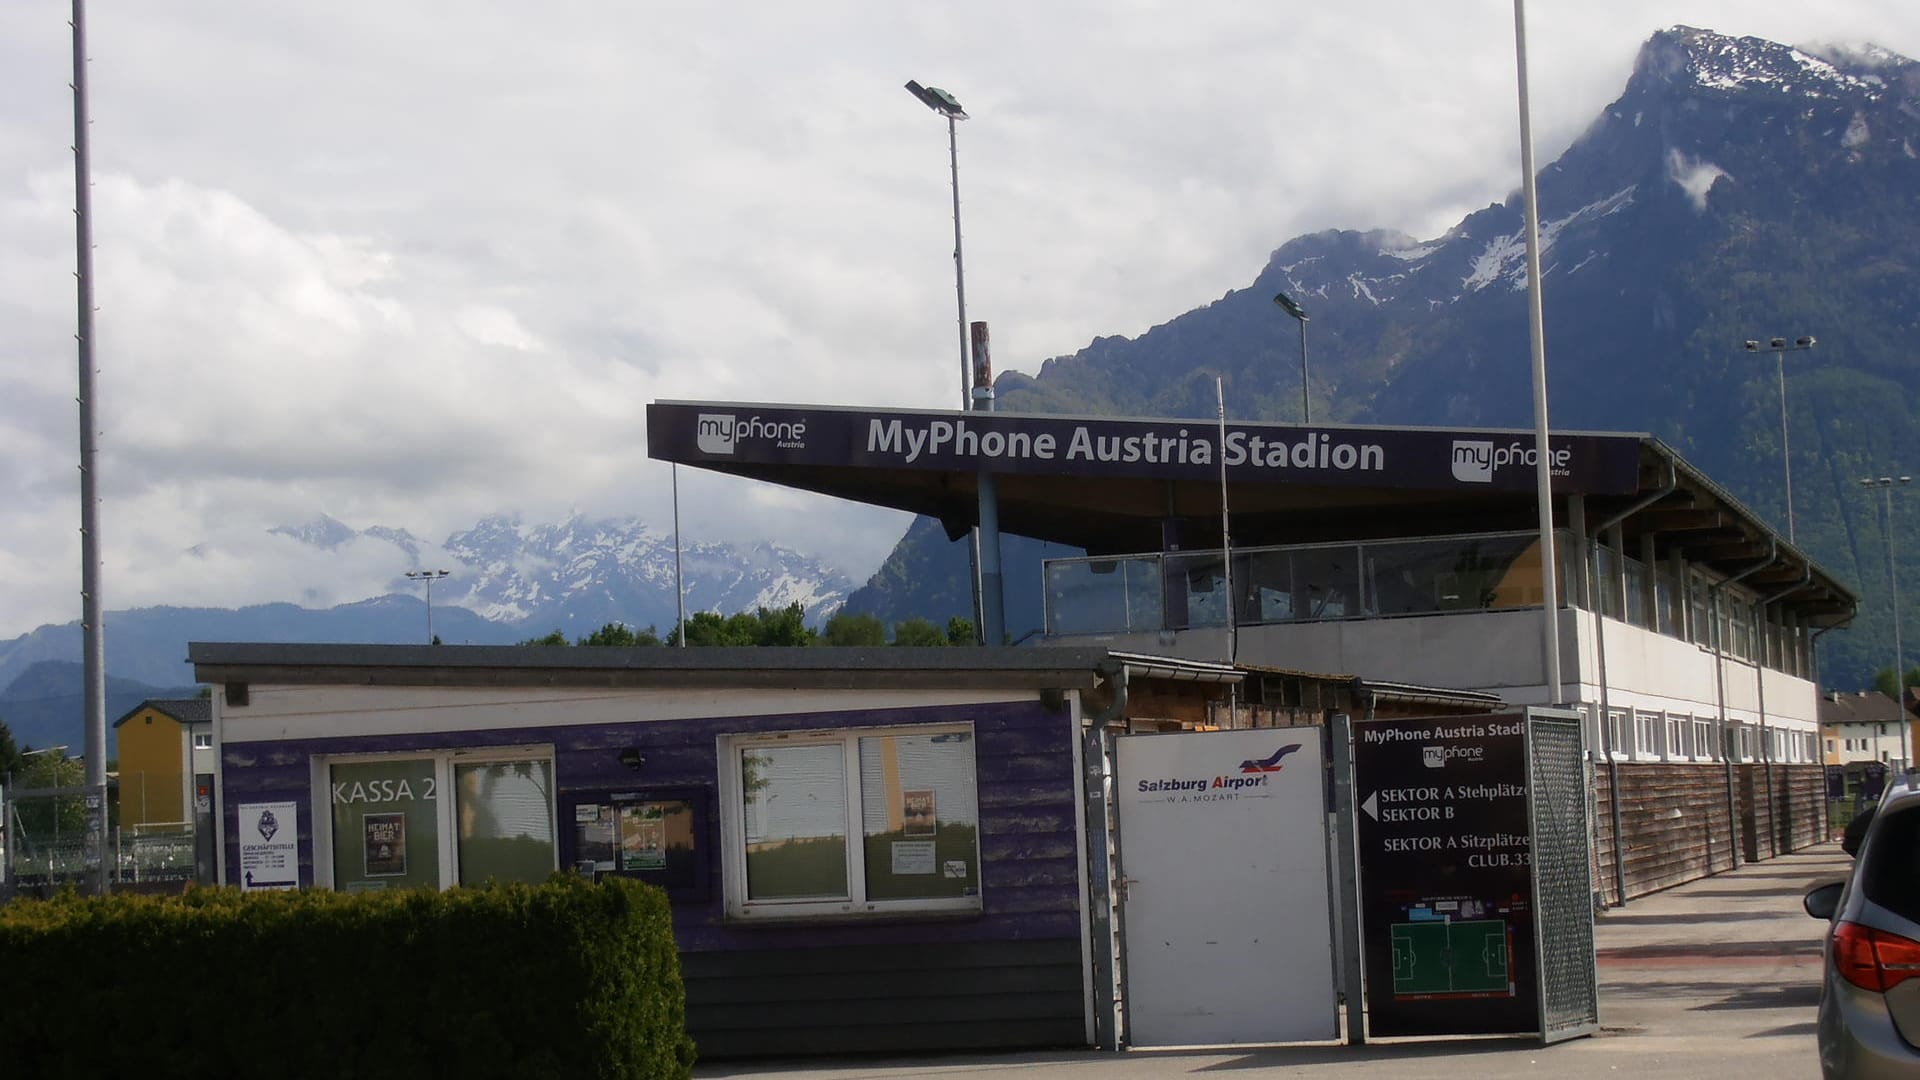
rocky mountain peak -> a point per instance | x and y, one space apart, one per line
1685 57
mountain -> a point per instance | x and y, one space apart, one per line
42 705
580 574
1737 189
509 581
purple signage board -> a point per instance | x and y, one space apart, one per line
744 435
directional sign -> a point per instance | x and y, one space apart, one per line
1446 892
269 846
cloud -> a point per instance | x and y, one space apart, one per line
1694 176
416 264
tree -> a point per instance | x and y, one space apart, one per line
1883 679
846 628
786 626
42 818
10 759
620 635
917 632
959 631
555 638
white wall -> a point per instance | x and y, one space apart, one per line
1499 652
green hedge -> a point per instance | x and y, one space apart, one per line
567 979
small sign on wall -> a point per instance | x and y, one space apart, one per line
269 846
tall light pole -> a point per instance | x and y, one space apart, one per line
944 103
948 106
1886 484
428 576
1536 323
1779 348
679 581
1299 313
93 655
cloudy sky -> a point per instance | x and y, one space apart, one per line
412 264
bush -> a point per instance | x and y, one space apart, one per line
566 979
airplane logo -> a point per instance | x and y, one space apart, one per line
1268 764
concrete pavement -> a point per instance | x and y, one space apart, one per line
1715 978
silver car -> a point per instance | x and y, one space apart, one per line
1870 994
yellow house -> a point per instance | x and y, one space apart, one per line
165 744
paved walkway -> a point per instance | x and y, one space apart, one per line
1715 978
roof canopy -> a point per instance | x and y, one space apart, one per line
1116 485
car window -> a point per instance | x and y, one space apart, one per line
1890 872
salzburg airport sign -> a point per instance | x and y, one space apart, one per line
743 434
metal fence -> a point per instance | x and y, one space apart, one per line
46 847
1562 876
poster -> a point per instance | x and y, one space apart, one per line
269 846
916 813
593 837
643 837
386 845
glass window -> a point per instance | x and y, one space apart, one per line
1636 595
386 824
1103 595
919 818
1617 740
505 811
795 805
1475 573
1606 571
833 823
390 828
203 740
1703 745
1667 603
1647 731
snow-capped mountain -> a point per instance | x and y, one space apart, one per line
582 573
507 581
579 574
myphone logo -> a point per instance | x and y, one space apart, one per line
715 433
722 433
1473 461
1436 757
1476 460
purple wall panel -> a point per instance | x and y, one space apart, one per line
1028 810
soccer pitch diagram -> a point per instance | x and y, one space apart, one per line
1444 957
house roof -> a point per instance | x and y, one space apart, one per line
1858 707
660 666
1407 693
183 710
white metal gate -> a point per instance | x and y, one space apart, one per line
1227 933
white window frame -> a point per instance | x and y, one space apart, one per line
1620 733
733 830
446 826
201 740
1646 734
